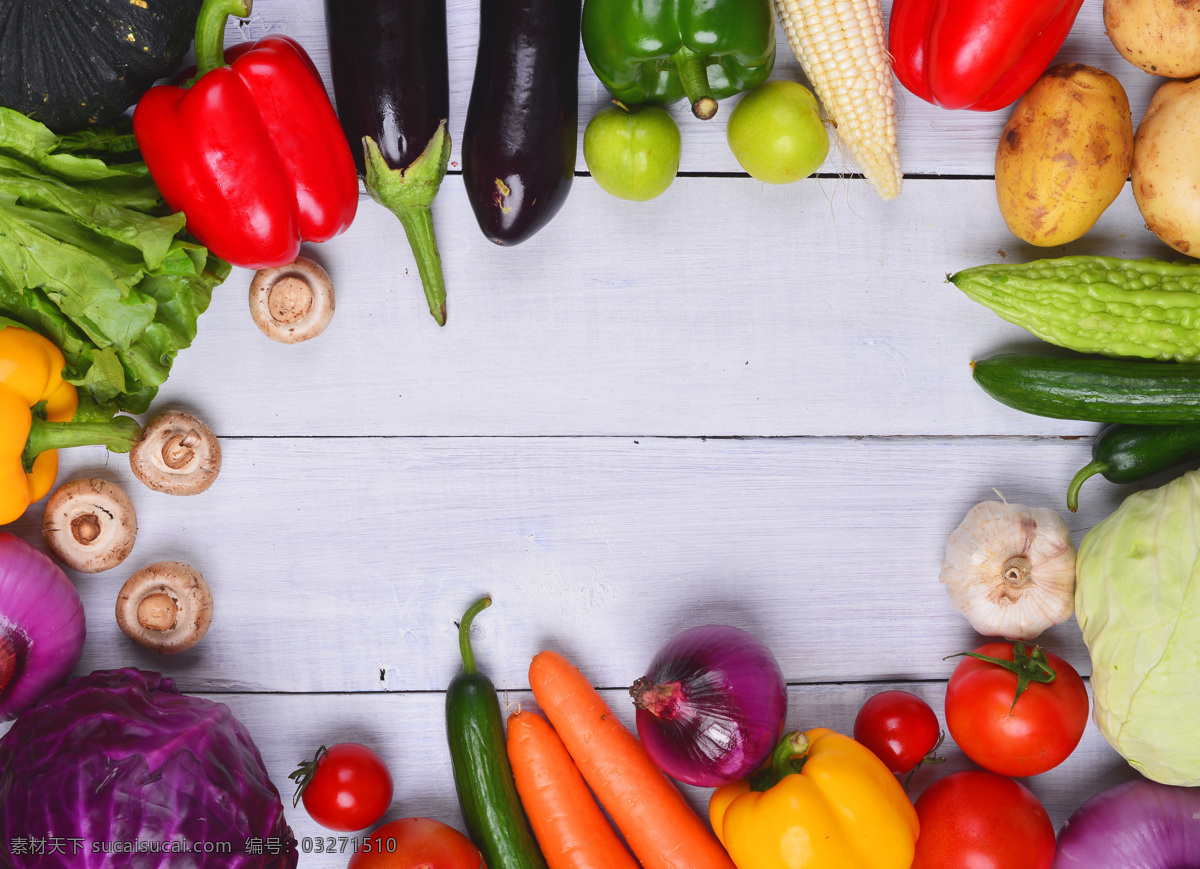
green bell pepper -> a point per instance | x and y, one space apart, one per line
658 51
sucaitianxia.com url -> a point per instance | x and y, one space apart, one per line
50 845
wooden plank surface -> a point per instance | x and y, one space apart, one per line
725 307
342 565
735 403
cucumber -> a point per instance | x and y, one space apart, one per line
1100 390
483 776
1128 453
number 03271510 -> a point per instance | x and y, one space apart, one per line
347 845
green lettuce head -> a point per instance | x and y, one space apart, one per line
1138 603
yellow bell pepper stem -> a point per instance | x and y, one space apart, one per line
787 759
118 434
29 445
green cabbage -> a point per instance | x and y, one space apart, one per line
1138 603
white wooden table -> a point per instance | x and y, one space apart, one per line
736 403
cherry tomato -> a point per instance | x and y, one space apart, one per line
1025 738
899 728
345 787
982 820
417 843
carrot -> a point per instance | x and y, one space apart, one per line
659 825
570 828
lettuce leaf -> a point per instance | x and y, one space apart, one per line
91 258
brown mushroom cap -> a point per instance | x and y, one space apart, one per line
166 607
177 454
90 525
292 303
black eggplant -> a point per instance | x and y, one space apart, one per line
392 83
522 122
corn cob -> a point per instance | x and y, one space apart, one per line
840 45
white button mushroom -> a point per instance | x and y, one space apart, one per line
292 303
177 454
90 525
166 607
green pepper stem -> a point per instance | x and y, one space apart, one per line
408 193
464 633
119 435
1089 470
210 32
694 77
787 759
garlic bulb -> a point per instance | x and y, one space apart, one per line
1010 569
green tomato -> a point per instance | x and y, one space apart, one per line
632 153
776 132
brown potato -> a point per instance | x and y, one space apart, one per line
1064 154
1166 166
1160 36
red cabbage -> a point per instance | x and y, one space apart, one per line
120 757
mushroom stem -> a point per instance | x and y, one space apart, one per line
157 612
85 529
119 435
178 451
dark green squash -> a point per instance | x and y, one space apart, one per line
71 63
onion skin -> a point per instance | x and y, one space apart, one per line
1135 825
41 626
712 705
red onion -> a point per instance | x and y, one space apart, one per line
712 706
1135 825
41 626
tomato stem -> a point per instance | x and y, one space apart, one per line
1029 666
930 758
304 773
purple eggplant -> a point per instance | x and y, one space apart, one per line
391 81
522 122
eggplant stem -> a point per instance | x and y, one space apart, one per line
409 193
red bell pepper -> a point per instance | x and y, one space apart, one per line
251 152
976 54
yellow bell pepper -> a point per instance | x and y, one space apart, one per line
36 409
824 802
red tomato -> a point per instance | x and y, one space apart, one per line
417 843
1036 734
898 727
980 820
345 787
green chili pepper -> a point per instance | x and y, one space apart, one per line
1128 453
651 51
